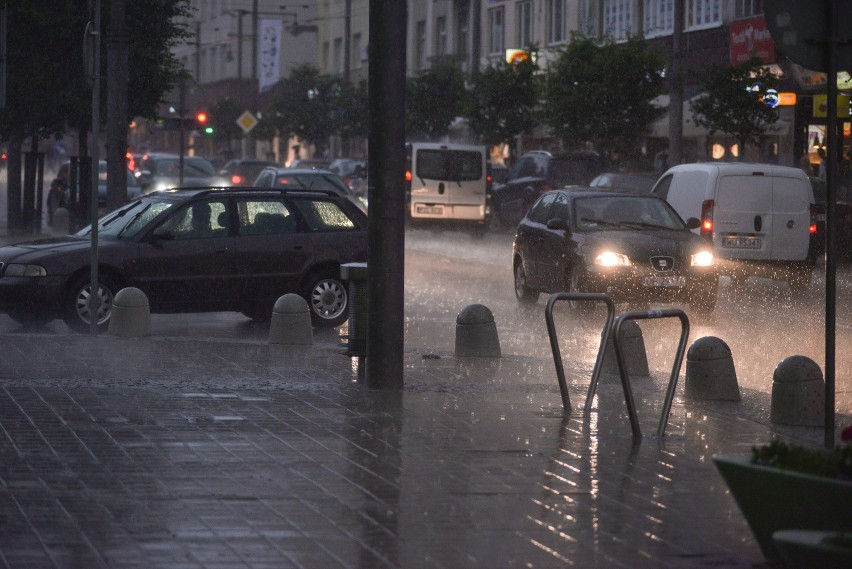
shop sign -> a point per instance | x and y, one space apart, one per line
749 38
821 106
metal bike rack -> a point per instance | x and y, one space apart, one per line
554 342
625 380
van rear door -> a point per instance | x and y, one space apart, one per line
742 217
448 182
764 217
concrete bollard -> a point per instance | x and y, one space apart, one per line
291 321
633 348
476 333
710 371
62 221
798 393
131 315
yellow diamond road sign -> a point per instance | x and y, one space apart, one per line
247 121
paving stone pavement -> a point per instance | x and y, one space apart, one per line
193 453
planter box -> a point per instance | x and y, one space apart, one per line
773 499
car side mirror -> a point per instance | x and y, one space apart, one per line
693 223
557 223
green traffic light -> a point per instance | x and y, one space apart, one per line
208 130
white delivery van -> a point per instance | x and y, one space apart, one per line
448 183
761 218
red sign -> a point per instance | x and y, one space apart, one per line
750 37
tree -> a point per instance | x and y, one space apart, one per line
434 99
305 105
502 101
603 93
732 101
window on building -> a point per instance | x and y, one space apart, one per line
556 21
618 18
214 63
357 57
338 56
524 37
659 18
748 8
588 22
463 37
496 43
325 54
420 46
702 14
441 36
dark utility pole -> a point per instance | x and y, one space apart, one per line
385 282
116 126
676 88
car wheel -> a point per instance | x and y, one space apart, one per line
523 293
328 301
29 318
76 311
575 285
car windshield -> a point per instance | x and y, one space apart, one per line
128 221
624 213
191 167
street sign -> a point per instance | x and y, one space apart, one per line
800 28
247 121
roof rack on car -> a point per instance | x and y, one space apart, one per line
208 190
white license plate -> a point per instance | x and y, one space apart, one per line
429 209
745 242
667 281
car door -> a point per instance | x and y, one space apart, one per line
187 262
273 248
530 241
336 237
552 257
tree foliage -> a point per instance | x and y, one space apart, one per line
732 101
602 92
503 100
305 105
434 98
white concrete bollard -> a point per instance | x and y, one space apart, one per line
633 348
131 315
798 393
476 333
62 221
710 371
291 321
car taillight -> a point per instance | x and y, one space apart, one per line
408 175
236 179
813 227
707 218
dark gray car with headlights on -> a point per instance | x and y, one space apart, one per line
631 246
195 250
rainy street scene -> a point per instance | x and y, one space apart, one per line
375 284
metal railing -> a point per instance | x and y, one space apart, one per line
554 341
622 368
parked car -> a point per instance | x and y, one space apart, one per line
59 191
162 172
631 180
243 172
631 246
301 178
760 218
195 250
538 172
499 173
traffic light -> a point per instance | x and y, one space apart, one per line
202 122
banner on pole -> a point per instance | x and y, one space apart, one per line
269 53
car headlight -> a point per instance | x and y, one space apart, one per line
612 259
21 270
702 259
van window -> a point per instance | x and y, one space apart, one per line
449 165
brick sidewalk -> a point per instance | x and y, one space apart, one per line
172 452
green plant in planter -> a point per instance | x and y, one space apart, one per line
789 487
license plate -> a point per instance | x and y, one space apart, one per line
667 281
430 209
744 242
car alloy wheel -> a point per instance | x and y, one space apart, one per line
77 315
522 293
329 302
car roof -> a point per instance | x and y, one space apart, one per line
586 191
281 170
